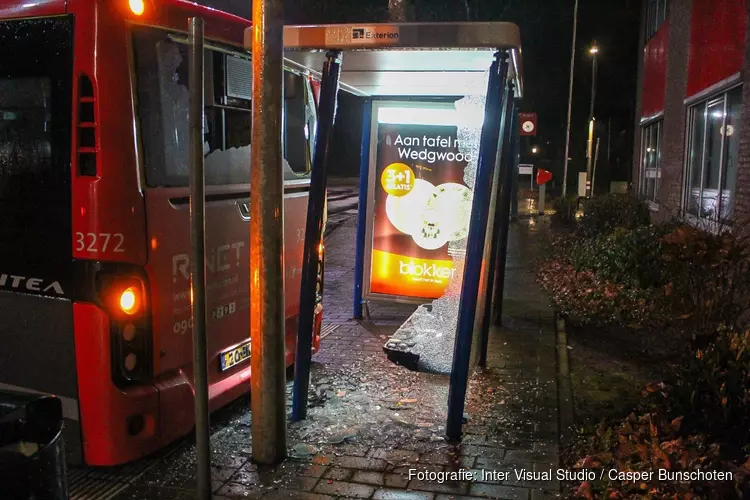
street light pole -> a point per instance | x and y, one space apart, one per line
267 317
570 101
590 146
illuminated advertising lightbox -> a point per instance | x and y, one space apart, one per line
420 204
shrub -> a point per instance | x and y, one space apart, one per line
707 277
602 214
565 211
584 298
698 421
632 258
713 389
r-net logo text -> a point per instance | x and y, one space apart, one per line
368 34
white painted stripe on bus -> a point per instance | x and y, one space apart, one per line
69 405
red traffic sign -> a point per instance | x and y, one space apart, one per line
528 123
543 176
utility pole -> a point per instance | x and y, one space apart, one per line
596 160
609 137
570 100
267 321
198 255
590 145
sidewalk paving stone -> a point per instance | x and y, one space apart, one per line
372 425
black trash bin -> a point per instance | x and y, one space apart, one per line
32 453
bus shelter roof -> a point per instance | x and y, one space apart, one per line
407 59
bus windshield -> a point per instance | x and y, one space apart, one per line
161 64
35 124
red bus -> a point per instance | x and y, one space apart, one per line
94 214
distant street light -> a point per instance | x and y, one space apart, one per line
594 50
535 150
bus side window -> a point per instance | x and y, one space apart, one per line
162 83
295 122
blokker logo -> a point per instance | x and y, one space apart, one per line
426 270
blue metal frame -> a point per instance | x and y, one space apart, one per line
475 245
364 172
514 193
513 161
501 220
329 89
502 237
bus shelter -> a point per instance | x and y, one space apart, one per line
439 146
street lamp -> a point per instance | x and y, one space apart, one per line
535 150
594 50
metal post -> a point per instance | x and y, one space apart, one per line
514 190
198 255
329 89
267 321
570 101
593 85
501 217
475 246
542 201
592 121
364 172
509 159
589 157
596 160
609 138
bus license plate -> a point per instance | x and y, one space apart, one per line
235 356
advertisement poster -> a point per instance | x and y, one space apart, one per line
421 204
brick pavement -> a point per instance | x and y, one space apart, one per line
371 422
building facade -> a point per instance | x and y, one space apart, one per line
692 137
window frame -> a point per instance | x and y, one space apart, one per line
216 100
716 219
656 14
645 131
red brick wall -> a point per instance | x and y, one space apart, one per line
673 131
638 104
742 199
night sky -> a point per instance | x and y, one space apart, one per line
546 28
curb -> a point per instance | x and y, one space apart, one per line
564 386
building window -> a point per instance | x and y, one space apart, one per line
713 152
656 14
650 161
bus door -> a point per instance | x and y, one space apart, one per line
37 350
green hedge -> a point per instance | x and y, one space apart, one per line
604 214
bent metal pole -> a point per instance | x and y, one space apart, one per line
267 322
506 200
501 219
198 255
329 89
475 246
